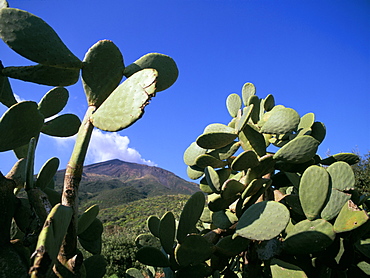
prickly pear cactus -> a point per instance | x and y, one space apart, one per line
46 223
280 213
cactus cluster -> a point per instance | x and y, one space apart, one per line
283 213
39 234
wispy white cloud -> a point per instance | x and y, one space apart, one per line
18 98
106 146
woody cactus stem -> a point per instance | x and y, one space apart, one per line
71 183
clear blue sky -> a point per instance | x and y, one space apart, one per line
313 56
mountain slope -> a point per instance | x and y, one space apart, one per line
116 182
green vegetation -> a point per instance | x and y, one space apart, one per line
287 213
47 224
362 174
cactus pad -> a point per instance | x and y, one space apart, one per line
309 237
193 250
192 152
86 219
152 256
349 218
252 224
281 121
20 122
190 215
248 90
62 126
125 105
342 176
47 172
216 136
233 104
244 161
167 231
313 190
299 150
44 75
251 139
53 102
102 71
163 64
34 39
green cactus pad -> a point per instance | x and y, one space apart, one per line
248 90
306 121
192 152
225 152
205 160
255 102
254 186
266 166
281 121
53 232
165 66
244 161
102 71
62 126
251 139
47 172
335 203
153 225
194 249
282 269
53 101
18 173
34 39
44 75
244 118
231 188
152 256
95 266
216 202
342 176
349 218
255 220
190 215
313 190
147 240
167 231
298 151
233 104
350 158
125 105
86 219
20 122
308 237
93 231
133 273
194 172
6 94
223 219
269 102
213 179
216 136
229 246
203 185
318 131
92 246
54 197
195 271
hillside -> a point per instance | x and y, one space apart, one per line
116 182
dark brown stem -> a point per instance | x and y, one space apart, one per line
71 183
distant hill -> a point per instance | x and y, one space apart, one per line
116 182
